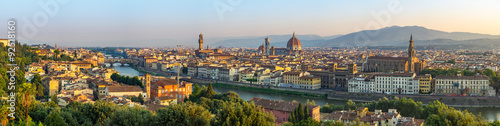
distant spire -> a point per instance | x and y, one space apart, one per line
411 36
294 34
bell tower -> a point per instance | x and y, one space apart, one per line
147 82
267 46
200 41
411 55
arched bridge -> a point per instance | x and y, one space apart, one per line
121 61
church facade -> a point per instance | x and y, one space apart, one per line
293 47
395 64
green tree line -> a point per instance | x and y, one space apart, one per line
127 80
435 113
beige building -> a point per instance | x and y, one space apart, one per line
462 85
121 91
51 86
424 82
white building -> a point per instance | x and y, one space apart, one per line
214 72
202 72
462 85
273 81
192 71
396 83
360 84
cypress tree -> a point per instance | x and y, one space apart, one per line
210 91
306 112
300 113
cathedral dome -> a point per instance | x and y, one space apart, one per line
294 43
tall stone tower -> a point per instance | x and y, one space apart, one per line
411 56
147 82
267 46
332 67
200 41
272 50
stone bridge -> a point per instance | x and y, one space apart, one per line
112 61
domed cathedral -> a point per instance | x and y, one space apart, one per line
395 64
294 44
293 47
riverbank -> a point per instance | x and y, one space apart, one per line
144 71
452 101
471 102
266 90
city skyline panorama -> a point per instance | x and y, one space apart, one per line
111 23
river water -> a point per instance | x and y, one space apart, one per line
488 113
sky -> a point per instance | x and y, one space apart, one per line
166 23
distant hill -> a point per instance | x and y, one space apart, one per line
396 36
276 40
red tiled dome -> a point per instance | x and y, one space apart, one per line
294 42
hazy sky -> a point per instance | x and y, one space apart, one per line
118 22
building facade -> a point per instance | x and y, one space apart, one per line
424 82
462 85
360 84
396 83
395 64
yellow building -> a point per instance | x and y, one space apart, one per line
301 80
310 82
4 42
166 100
51 86
291 77
424 82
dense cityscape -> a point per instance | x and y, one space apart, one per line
250 63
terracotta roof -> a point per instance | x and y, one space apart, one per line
279 105
294 41
388 58
480 77
163 82
309 77
166 98
124 89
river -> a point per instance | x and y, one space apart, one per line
488 113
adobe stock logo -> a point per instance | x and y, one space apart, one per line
29 28
221 7
382 18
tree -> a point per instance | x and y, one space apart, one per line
75 54
135 116
27 90
54 99
489 72
308 122
55 119
140 98
298 114
37 82
242 114
209 92
451 61
170 117
350 105
57 54
311 103
4 112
